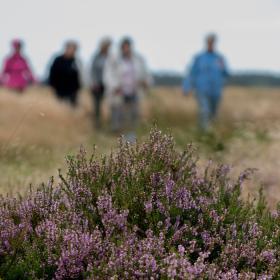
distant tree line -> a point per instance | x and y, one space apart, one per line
240 79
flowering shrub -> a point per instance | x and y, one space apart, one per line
145 212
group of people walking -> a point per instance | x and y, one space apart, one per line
122 77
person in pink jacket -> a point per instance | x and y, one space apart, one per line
16 74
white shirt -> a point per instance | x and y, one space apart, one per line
128 77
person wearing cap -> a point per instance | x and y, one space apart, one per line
126 77
16 74
206 78
97 69
64 76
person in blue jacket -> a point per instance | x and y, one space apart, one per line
206 78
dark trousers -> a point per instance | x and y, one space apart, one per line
98 95
70 96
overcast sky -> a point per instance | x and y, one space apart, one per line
166 32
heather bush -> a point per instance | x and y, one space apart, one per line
145 212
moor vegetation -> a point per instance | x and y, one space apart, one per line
144 212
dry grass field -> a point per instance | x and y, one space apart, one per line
37 132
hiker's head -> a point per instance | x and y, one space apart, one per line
126 47
211 42
70 49
17 45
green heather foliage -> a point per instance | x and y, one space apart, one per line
145 212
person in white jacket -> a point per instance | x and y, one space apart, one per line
126 77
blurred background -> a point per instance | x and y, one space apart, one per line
166 33
37 131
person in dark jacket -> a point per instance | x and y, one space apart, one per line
64 74
97 69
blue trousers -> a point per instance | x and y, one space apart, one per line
208 103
